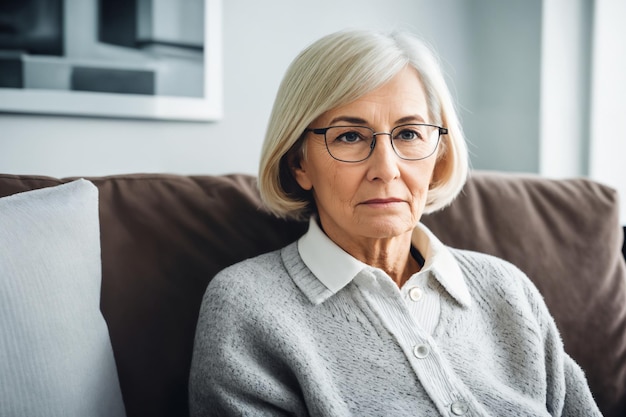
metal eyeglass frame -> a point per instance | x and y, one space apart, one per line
323 130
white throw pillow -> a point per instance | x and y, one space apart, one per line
55 353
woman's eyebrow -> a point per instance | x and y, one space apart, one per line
411 119
416 118
348 119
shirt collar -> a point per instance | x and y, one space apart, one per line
335 268
330 264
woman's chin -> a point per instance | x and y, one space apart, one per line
384 227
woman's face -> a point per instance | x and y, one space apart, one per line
384 196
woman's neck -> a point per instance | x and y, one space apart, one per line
392 255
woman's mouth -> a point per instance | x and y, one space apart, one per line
382 202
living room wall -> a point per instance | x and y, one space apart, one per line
258 44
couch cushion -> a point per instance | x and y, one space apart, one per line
566 236
55 352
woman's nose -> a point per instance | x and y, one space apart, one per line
383 161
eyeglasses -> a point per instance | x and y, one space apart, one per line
411 142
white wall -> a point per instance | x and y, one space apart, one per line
608 98
565 85
490 52
501 114
259 43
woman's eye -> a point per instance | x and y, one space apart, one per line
349 137
409 135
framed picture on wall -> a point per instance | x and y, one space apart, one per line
146 59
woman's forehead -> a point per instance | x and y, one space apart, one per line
401 100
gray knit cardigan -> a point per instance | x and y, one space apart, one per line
271 340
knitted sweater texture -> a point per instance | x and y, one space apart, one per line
272 341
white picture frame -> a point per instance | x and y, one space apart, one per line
207 106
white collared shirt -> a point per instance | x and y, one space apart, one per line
335 268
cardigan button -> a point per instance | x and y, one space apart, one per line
421 351
415 293
458 408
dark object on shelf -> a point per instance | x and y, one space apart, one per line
33 26
130 23
11 70
107 80
117 22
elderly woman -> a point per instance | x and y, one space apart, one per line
369 314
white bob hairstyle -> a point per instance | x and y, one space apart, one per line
337 70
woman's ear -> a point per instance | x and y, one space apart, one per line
299 171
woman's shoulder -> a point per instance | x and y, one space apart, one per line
484 262
256 265
488 273
491 273
254 293
250 271
260 277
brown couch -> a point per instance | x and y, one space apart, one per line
164 237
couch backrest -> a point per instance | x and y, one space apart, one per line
164 237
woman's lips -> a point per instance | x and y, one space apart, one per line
382 201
